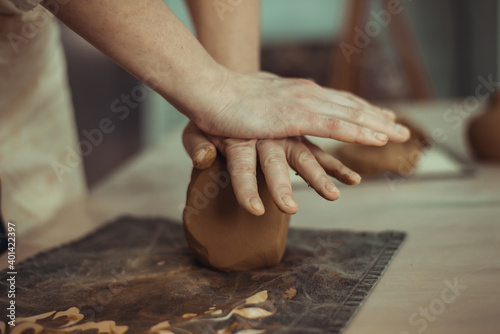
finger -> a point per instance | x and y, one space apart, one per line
366 117
332 166
241 159
347 105
272 159
303 161
389 114
360 103
354 109
199 148
381 120
319 125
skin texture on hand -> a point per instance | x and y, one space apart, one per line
234 43
274 107
275 155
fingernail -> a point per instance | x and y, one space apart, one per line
331 188
354 176
200 155
401 129
381 136
288 200
256 204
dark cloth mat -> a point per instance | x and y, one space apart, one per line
135 274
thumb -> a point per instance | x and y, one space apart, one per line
199 148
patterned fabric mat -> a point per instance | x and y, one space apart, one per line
137 275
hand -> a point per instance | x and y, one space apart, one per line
313 164
263 105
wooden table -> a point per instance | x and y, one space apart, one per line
453 228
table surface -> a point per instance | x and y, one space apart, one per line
452 226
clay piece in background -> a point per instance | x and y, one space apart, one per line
224 236
484 131
398 158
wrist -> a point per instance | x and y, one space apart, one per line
198 91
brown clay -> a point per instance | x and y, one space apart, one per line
224 236
397 158
484 131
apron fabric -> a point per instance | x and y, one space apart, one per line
39 169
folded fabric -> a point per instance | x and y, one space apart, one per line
137 275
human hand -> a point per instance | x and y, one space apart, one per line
263 105
275 155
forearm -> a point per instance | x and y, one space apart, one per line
148 40
233 39
151 43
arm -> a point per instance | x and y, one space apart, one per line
149 41
233 39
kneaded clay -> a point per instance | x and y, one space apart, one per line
484 131
397 158
224 236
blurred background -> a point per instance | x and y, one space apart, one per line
457 41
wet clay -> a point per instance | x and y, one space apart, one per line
484 131
397 158
224 236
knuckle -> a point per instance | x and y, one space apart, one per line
293 130
284 189
301 95
240 167
351 96
304 82
358 134
274 160
305 157
239 143
265 144
333 124
344 100
357 115
237 148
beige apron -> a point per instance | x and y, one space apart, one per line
37 127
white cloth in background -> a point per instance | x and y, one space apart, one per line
36 117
